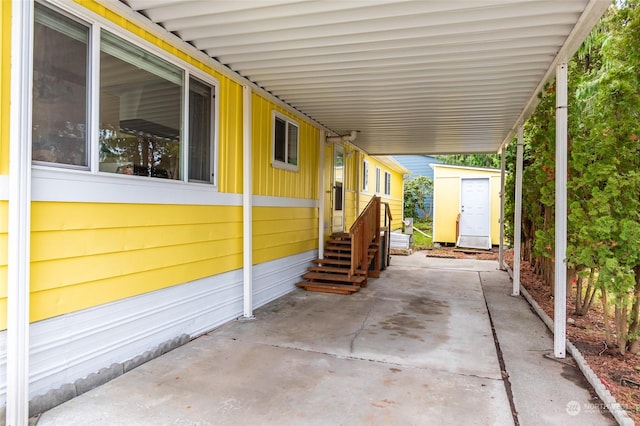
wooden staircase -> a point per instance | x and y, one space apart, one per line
347 257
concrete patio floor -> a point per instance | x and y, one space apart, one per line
416 347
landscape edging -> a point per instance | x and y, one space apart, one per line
603 393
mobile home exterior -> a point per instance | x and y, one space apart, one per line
147 164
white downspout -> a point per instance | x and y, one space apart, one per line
560 296
247 204
517 226
321 195
19 215
502 201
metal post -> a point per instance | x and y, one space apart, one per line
502 184
517 226
321 144
19 215
247 204
560 296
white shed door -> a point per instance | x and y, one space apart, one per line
475 214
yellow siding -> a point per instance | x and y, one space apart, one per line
328 173
3 264
397 188
273 181
447 206
5 82
230 137
283 231
85 255
495 210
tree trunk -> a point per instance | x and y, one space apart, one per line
634 343
621 323
608 336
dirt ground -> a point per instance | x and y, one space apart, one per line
620 374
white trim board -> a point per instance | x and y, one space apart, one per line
72 346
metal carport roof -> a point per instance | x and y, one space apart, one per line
412 77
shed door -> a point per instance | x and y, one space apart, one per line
475 214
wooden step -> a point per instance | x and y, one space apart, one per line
332 262
329 269
319 276
339 242
328 287
335 254
337 247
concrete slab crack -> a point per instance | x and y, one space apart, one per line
359 330
503 368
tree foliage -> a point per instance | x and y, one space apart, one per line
491 161
603 175
416 192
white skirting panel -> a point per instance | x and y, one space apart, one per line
277 278
70 347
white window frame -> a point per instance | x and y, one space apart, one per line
365 176
90 176
377 180
288 122
387 183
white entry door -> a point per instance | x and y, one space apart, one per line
475 214
338 189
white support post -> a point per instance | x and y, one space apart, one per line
19 216
560 295
502 184
321 143
247 204
517 225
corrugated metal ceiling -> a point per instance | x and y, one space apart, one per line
412 77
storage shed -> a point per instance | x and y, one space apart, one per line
466 206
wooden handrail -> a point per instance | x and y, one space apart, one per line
364 231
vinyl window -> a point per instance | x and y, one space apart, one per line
377 180
365 175
154 119
285 142
387 183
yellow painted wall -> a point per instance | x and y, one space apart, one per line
495 209
277 182
397 186
283 231
446 195
327 176
5 82
5 51
85 254
3 264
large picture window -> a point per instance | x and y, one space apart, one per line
285 142
140 111
60 82
143 104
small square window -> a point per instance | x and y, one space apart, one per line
285 142
387 183
365 176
